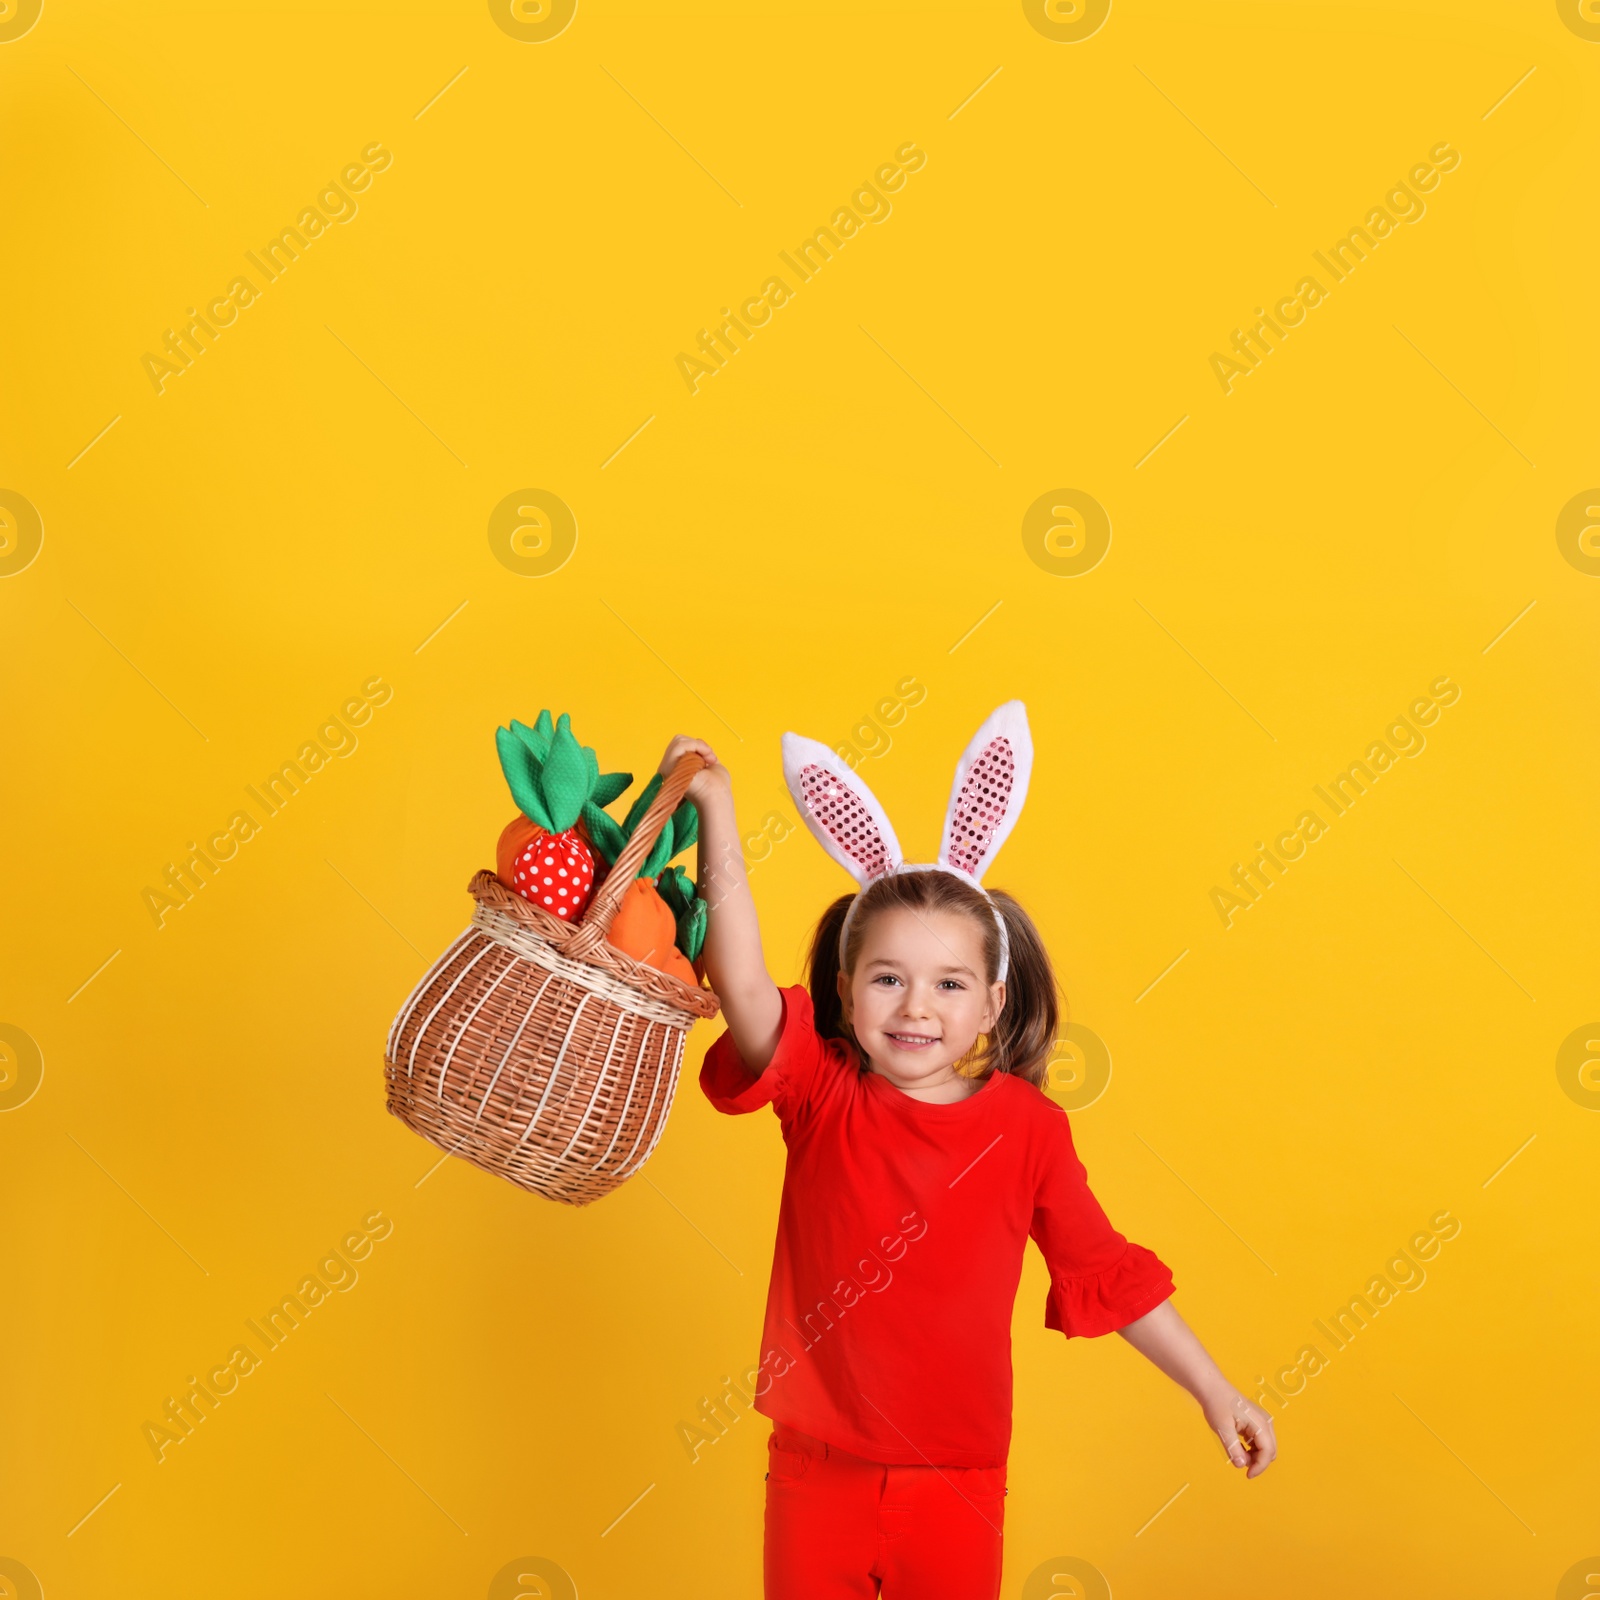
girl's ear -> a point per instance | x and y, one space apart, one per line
839 809
997 1006
991 783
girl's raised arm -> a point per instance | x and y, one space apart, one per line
732 952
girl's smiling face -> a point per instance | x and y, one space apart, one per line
917 1000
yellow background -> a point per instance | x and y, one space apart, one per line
837 509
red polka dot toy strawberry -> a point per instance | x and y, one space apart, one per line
546 854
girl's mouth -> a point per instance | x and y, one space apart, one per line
911 1041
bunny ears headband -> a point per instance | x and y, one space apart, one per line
991 783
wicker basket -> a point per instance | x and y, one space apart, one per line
537 1051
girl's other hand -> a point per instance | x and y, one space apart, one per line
1162 1336
711 779
1245 1431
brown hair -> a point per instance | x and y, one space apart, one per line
1021 1041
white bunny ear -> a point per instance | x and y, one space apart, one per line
991 783
839 809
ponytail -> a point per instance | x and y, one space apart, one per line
1033 1015
822 965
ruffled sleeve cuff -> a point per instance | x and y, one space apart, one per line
729 1085
1088 1305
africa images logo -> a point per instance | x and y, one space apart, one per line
1252 345
335 202
1401 738
336 739
868 203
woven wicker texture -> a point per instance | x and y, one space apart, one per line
537 1051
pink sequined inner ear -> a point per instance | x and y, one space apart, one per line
844 819
981 805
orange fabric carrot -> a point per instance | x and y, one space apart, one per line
644 928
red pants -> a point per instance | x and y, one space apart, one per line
840 1527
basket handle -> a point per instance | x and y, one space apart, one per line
608 898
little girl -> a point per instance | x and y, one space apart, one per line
922 1154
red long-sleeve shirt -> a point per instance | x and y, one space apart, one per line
899 1249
